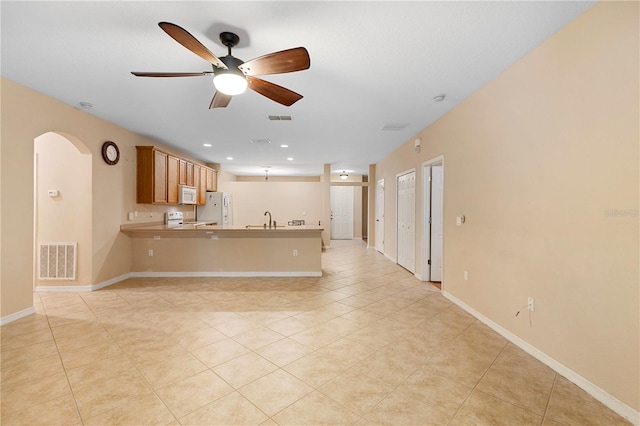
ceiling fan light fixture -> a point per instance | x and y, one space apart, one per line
230 83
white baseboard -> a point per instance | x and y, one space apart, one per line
598 393
393 259
228 274
17 315
81 288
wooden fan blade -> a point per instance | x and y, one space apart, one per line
171 74
290 60
220 100
273 91
183 37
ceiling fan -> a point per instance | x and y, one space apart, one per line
232 75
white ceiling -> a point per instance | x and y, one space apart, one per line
372 64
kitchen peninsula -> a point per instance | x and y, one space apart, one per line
214 250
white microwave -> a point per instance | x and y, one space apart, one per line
187 194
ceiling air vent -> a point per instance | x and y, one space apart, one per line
280 118
394 126
260 141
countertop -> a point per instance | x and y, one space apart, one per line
207 230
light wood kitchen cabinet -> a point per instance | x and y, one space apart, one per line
151 175
212 180
202 189
190 180
160 174
182 174
196 183
173 179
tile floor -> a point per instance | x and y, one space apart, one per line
365 344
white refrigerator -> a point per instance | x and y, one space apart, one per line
218 208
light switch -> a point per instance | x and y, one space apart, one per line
53 193
459 220
131 215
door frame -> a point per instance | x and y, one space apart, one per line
426 210
379 225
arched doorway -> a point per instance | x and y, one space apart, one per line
62 211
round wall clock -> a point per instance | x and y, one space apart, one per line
110 153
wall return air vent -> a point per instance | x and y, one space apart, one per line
280 118
57 261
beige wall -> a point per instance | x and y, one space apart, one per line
285 200
543 162
26 115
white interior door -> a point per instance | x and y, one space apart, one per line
406 202
380 216
436 222
342 199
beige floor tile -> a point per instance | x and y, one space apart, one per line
94 374
24 395
316 409
257 338
357 392
385 368
315 370
147 354
30 370
29 353
192 393
275 391
432 389
345 352
172 370
483 409
397 410
316 337
30 324
16 341
283 352
288 326
60 411
233 409
110 394
571 405
235 327
244 369
518 378
139 410
220 352
88 354
199 338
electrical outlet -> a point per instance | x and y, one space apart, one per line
530 305
150 253
295 253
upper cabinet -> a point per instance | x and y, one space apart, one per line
159 175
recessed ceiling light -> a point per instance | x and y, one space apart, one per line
229 158
284 146
290 159
208 145
439 98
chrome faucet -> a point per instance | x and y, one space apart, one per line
269 213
